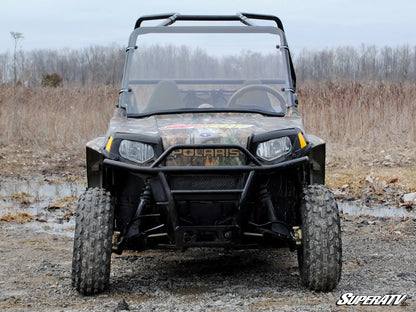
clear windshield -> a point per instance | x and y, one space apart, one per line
205 71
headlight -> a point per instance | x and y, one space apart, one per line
273 149
136 151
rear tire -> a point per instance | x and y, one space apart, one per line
320 255
93 241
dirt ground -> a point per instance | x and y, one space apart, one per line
378 259
378 252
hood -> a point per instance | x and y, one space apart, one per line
203 128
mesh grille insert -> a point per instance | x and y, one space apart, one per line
206 182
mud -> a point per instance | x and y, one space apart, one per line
36 252
40 204
356 208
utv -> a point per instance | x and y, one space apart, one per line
207 149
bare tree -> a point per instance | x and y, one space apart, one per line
4 67
16 36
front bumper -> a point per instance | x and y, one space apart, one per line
153 171
209 189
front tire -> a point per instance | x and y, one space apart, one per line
93 241
320 255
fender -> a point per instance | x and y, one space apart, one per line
317 159
94 159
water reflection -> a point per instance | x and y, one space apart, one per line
358 209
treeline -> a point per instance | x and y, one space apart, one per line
104 65
182 62
368 62
92 65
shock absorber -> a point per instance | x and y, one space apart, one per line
144 201
266 200
133 227
278 227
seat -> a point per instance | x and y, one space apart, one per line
166 96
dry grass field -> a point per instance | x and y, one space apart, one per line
370 128
371 133
55 118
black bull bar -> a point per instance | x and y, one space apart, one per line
165 194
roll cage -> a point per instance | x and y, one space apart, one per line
247 19
137 79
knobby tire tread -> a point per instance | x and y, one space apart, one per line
92 241
320 257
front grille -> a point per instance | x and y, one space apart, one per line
206 182
207 156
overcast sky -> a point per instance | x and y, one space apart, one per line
314 24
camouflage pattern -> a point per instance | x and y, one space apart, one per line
204 128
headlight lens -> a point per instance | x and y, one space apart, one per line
136 151
273 149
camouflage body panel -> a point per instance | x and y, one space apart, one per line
204 128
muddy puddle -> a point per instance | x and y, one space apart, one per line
41 189
49 205
42 205
377 210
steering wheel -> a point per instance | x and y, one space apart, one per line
232 101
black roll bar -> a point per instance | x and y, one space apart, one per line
244 18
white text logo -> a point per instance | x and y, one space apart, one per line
386 300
